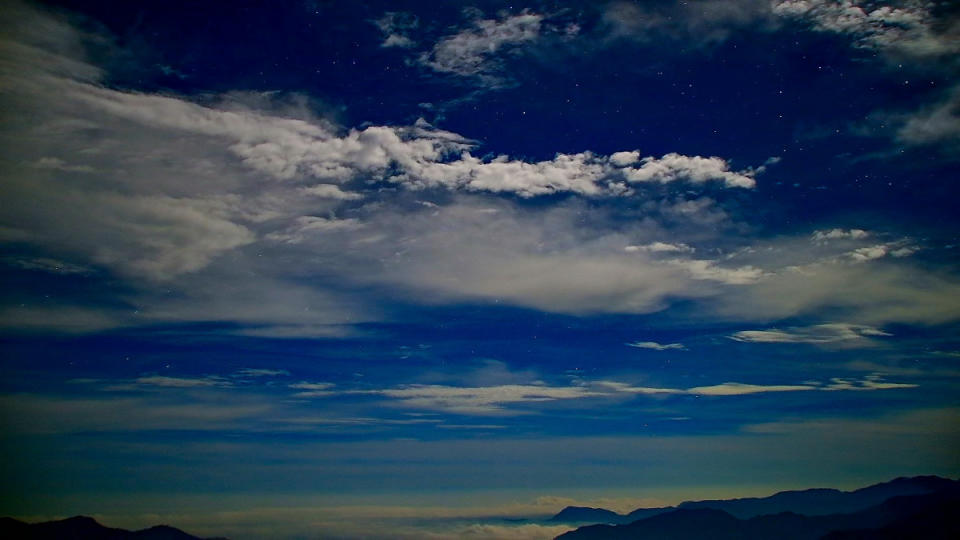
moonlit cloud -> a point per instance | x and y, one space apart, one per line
739 389
657 346
838 234
262 372
518 399
661 247
936 123
396 27
672 167
268 276
181 382
906 28
708 270
817 334
470 52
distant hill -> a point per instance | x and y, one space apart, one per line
84 528
584 514
808 502
928 516
816 502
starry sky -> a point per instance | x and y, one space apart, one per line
401 269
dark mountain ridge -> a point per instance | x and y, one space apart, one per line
85 528
930 515
808 502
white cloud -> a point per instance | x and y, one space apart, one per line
306 227
672 167
657 346
182 382
868 253
331 191
939 122
708 270
870 382
479 400
622 159
313 389
312 386
289 149
250 210
469 53
502 399
396 27
661 247
739 389
906 28
897 249
817 334
584 173
626 388
823 236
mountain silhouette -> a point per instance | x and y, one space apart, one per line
931 515
808 502
585 514
84 528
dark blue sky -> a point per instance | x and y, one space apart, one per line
279 270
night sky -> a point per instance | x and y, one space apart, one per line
396 269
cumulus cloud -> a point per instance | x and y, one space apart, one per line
657 346
249 210
817 334
898 249
583 173
906 27
672 167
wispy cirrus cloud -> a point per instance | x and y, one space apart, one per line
472 51
657 346
261 372
661 247
824 236
397 27
936 123
816 334
519 399
182 382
